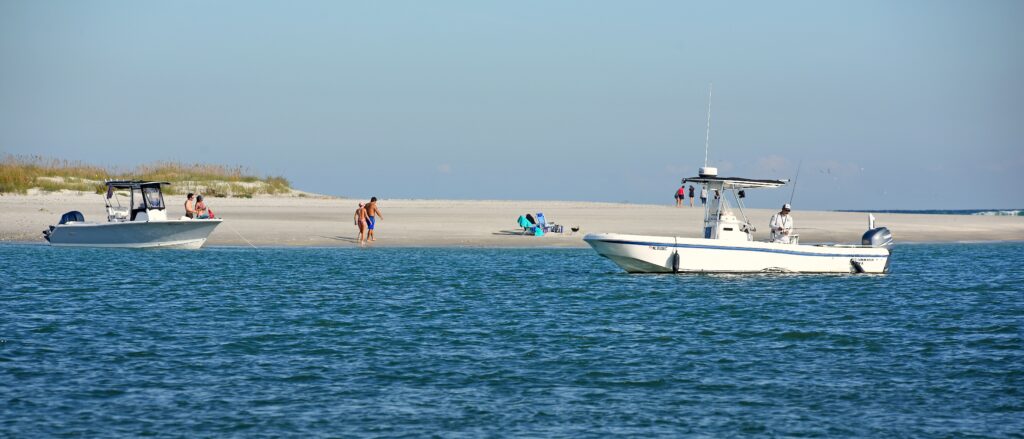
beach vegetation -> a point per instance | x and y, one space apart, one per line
19 174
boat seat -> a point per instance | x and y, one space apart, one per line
117 214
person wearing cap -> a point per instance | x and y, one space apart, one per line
781 225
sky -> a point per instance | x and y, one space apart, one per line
883 105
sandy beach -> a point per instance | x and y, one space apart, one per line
322 221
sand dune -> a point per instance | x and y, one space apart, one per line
316 221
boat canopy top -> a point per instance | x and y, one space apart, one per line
129 184
737 182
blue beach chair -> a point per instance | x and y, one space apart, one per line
542 222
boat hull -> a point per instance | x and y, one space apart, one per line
187 234
657 254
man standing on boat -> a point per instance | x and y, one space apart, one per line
781 225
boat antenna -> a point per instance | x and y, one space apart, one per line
707 133
795 179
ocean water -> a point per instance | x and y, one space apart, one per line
232 342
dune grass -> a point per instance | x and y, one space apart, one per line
18 174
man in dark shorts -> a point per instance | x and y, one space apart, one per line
372 213
691 195
680 195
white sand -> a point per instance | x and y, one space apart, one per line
313 221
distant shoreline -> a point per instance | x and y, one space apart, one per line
472 247
312 221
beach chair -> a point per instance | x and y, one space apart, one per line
542 222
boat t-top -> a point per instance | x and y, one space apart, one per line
728 245
142 223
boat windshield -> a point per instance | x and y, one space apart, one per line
137 201
154 198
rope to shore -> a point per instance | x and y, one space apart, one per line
239 235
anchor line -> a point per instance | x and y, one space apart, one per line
240 236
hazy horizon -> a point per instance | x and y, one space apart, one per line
915 105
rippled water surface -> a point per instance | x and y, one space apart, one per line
469 342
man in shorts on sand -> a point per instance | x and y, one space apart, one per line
372 213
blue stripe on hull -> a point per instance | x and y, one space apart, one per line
746 249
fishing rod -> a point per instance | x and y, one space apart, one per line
707 133
795 179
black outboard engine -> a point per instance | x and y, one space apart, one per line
877 237
74 215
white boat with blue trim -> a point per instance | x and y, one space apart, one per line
142 223
728 244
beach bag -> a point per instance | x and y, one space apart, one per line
209 211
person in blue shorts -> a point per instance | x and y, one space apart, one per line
372 213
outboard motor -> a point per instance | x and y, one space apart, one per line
74 215
877 237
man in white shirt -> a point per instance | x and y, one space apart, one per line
781 225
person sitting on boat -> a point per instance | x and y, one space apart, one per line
781 225
190 205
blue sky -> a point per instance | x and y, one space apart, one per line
887 104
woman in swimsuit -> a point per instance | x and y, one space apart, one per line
201 212
360 221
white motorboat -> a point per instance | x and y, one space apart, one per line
141 224
728 244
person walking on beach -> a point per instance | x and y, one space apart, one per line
691 195
703 195
360 221
680 195
190 205
372 213
781 225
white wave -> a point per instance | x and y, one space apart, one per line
998 213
